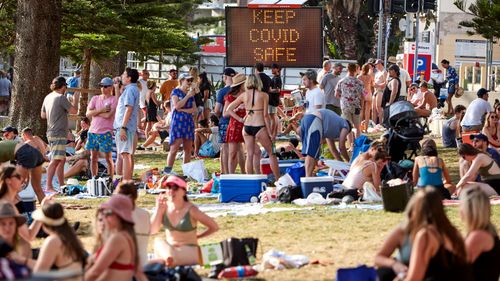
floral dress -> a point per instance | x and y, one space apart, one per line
182 125
235 129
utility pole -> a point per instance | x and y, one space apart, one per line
387 32
417 33
380 28
489 58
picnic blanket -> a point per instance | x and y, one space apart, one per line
493 201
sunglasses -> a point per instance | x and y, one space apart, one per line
107 212
105 87
189 80
174 187
493 117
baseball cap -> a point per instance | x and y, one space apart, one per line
9 129
229 72
177 181
379 61
105 82
310 73
481 92
479 136
185 76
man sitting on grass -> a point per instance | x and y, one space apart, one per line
160 128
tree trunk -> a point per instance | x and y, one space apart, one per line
37 45
111 67
84 96
344 18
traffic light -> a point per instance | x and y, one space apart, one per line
397 6
402 6
412 6
430 5
374 7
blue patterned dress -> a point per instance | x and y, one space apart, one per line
182 125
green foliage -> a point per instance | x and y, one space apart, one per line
7 12
486 17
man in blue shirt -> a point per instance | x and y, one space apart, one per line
227 77
125 123
452 78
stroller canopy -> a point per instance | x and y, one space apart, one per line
401 110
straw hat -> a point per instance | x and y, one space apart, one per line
8 211
41 217
238 79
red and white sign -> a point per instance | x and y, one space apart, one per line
423 48
217 46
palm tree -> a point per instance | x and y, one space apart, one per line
343 15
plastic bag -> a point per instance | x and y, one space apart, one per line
269 195
275 259
285 180
195 170
370 194
297 171
312 199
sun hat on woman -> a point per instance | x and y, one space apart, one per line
121 205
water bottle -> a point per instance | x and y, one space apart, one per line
251 257
238 272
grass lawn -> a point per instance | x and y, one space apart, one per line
341 237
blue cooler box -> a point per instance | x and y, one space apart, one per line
321 185
240 188
285 164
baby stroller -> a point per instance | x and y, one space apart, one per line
406 130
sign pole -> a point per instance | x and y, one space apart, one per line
417 31
380 28
387 32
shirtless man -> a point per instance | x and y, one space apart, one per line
35 141
427 103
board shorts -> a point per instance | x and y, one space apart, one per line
311 129
29 157
100 142
57 147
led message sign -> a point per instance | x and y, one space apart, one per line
288 37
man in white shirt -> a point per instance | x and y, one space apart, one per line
405 79
473 118
315 99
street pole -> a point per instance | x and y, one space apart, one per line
417 31
380 28
387 32
489 58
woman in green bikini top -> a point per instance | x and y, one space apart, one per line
180 218
482 164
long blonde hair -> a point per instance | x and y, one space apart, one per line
476 210
426 209
487 122
253 82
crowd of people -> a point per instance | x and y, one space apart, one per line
241 127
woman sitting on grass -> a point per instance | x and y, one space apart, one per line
483 165
61 250
492 129
180 218
10 220
117 258
11 183
430 247
361 172
141 218
430 170
481 242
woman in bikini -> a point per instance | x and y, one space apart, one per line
491 129
180 218
482 164
368 85
61 250
117 258
257 127
430 170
